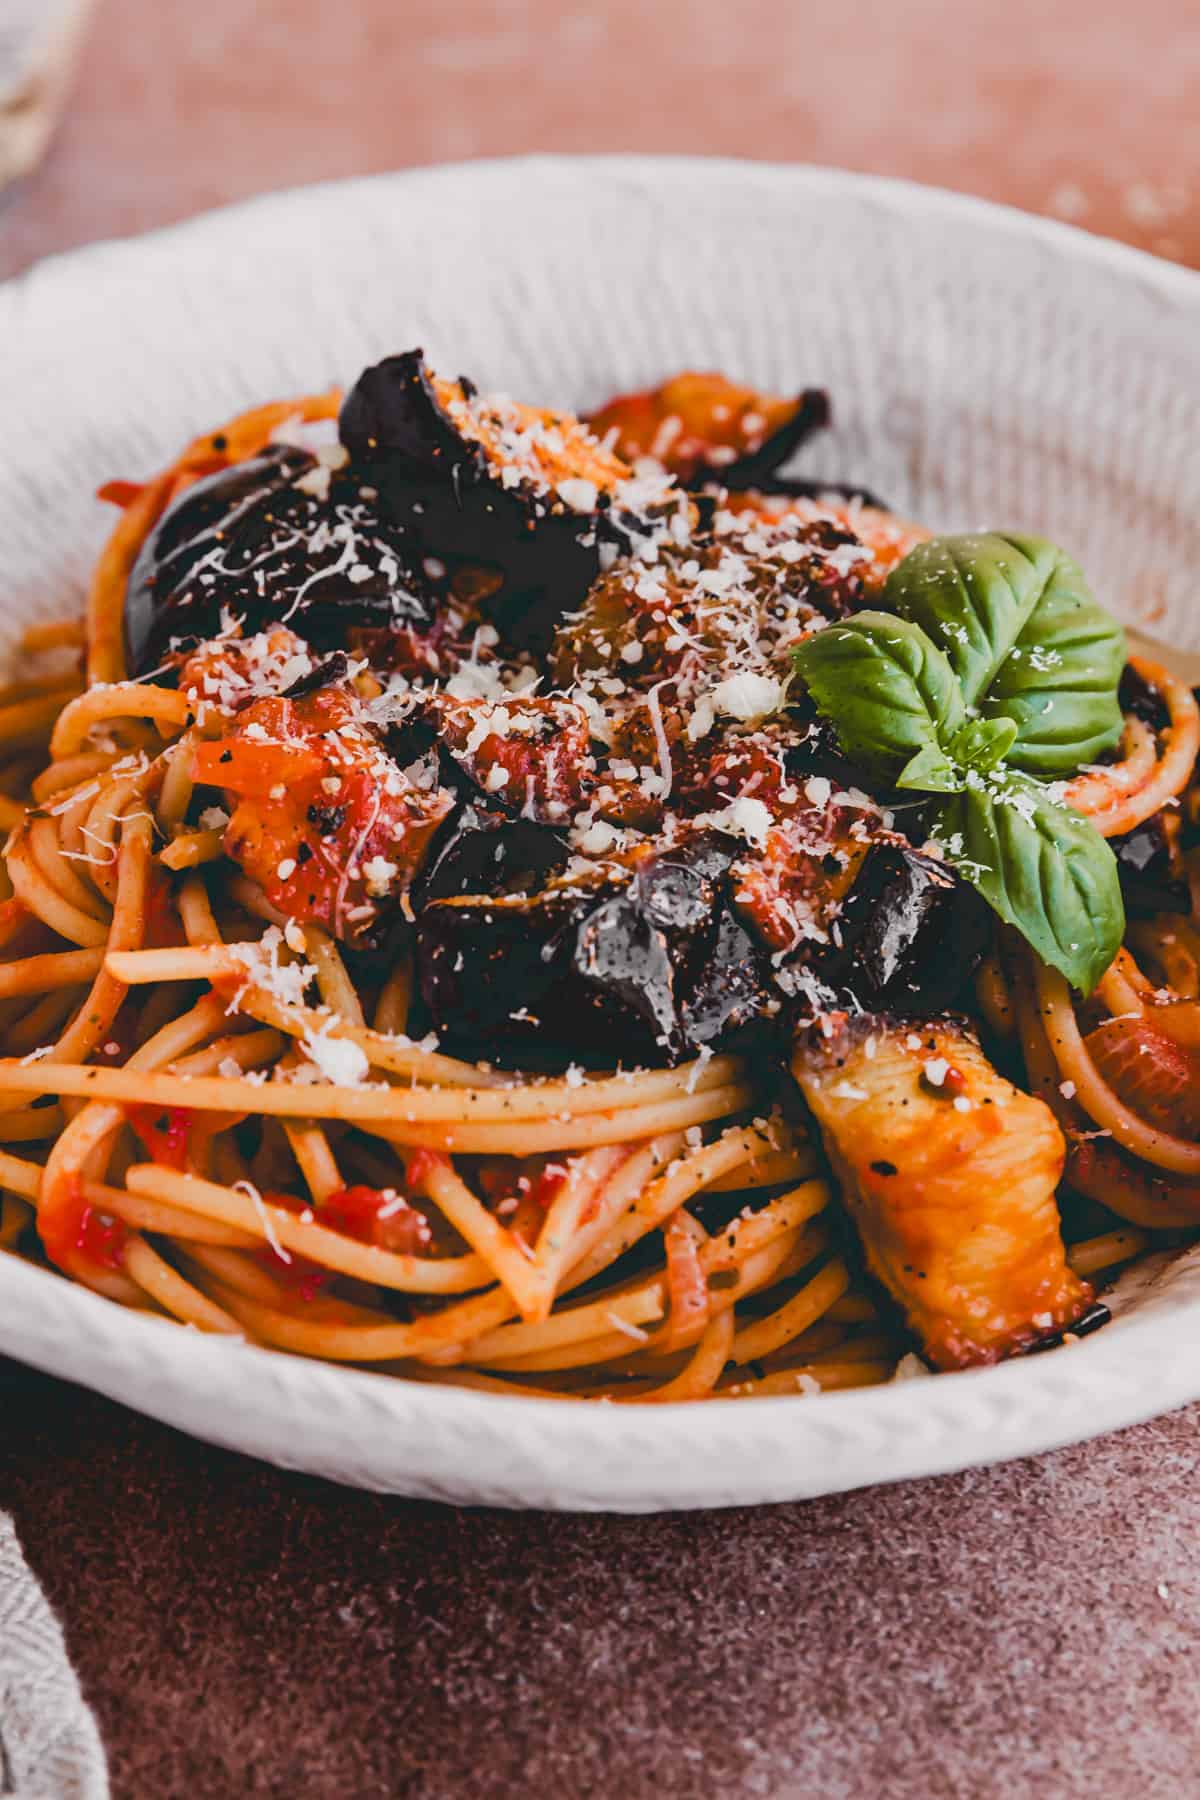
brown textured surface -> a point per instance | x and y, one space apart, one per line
1028 1629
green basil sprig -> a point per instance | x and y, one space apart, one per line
996 667
1026 639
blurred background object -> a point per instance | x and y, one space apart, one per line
38 43
1085 110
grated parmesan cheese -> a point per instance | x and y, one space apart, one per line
339 1059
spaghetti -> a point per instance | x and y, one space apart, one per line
224 1104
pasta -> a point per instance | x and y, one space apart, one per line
306 803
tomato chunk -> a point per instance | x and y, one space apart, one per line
380 1216
1158 1078
694 421
230 672
323 820
533 754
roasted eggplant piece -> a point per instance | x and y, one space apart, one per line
949 1175
1149 884
911 932
529 496
484 850
728 993
645 961
703 427
280 537
490 969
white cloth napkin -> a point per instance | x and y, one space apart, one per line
49 1746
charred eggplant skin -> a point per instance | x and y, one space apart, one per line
245 540
392 414
483 850
949 1174
911 931
1148 884
441 488
812 414
649 961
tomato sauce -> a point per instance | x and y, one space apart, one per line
166 1133
78 1232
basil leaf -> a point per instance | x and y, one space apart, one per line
1021 630
982 743
1043 868
891 694
930 771
1059 681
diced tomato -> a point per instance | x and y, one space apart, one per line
298 1274
373 1215
790 887
230 672
1155 1076
534 1178
718 771
520 1190
242 766
325 822
789 884
379 1216
551 447
165 1132
533 754
692 422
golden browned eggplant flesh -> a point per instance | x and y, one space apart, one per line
949 1173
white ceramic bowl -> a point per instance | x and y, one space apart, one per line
986 369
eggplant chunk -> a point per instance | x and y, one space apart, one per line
279 537
949 1174
647 962
1150 883
911 933
484 850
529 497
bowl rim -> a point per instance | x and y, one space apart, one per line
956 203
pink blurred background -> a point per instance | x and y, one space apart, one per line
1083 110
